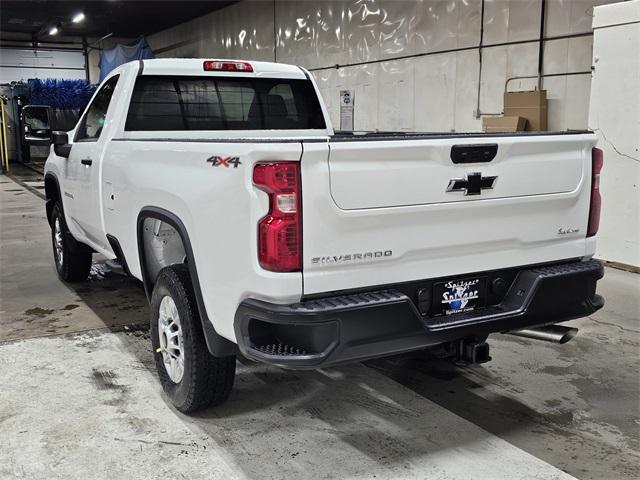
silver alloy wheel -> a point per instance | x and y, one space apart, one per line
57 241
171 344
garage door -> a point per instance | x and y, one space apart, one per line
21 64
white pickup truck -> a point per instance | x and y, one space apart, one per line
256 228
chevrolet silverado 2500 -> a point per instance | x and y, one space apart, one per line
257 229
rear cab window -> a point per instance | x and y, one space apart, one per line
179 103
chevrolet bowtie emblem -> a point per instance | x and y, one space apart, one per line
472 185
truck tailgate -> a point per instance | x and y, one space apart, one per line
393 174
382 211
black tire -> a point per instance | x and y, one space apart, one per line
206 380
72 259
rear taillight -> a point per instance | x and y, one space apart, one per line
597 160
280 231
226 66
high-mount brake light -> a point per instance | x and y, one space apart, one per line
280 231
226 66
597 160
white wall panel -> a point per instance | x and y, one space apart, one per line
502 63
556 56
493 78
396 105
496 21
576 109
435 93
556 88
511 20
568 107
445 25
466 91
524 20
436 26
311 33
522 60
367 92
377 29
579 54
468 23
559 16
568 55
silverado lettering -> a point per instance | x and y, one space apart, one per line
352 257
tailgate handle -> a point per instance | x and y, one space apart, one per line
474 153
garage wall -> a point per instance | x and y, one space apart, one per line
435 92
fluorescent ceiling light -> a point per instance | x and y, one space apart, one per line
77 18
53 31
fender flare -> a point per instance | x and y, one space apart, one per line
48 201
217 345
74 245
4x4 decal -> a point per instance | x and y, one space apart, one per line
217 161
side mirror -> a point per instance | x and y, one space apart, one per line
60 141
36 125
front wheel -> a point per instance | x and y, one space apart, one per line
191 377
73 261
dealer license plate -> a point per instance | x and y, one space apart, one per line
458 296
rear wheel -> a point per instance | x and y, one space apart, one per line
191 377
73 259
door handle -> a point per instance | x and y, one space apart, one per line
86 161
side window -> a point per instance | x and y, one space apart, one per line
93 121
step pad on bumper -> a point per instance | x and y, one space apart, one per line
348 301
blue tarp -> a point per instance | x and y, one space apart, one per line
118 54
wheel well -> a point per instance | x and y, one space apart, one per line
162 241
162 246
52 194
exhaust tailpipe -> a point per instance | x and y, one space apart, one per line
548 333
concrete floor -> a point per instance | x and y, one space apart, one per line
79 397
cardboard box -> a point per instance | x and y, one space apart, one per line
503 124
531 105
